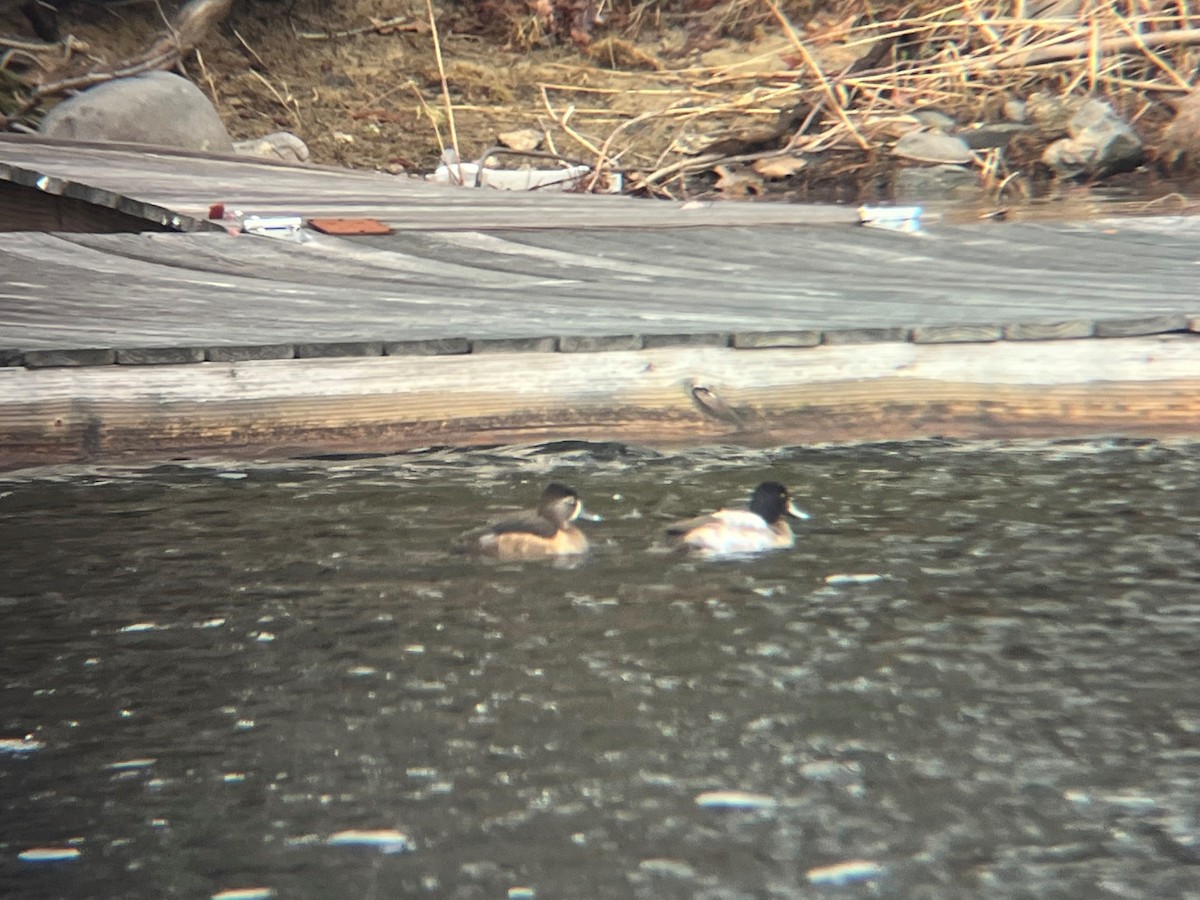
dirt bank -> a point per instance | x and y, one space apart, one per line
726 97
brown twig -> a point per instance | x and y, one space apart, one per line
380 26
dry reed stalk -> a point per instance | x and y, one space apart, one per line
1162 64
437 53
295 104
1071 50
429 114
563 122
213 94
816 69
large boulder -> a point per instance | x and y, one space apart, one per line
1100 144
154 108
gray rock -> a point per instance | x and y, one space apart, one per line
1100 144
153 108
993 134
1181 140
932 147
1015 110
1049 114
935 120
926 183
281 145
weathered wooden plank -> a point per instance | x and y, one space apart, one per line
1109 328
437 347
246 352
11 356
956 334
1138 386
600 343
1049 331
766 340
186 183
515 345
699 339
159 356
339 348
837 336
44 359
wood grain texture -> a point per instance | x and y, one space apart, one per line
251 351
600 343
1050 331
1145 386
766 340
1134 327
836 336
159 356
436 347
46 359
956 334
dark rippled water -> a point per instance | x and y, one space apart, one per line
224 678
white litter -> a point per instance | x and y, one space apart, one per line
734 800
905 219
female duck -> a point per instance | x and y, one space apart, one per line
729 532
549 531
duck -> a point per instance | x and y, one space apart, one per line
550 531
730 532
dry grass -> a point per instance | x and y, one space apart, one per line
859 80
667 89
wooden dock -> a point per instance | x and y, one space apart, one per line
492 317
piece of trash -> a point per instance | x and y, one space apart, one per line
905 219
350 226
48 854
845 872
20 745
284 227
253 893
387 840
216 211
861 578
734 800
126 765
469 174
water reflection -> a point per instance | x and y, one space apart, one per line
974 675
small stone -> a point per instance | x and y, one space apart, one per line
932 147
1048 114
1015 111
935 120
281 145
775 167
523 139
925 183
1181 140
991 135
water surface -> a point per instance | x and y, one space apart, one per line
274 677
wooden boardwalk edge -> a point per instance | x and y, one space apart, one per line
1147 385
69 357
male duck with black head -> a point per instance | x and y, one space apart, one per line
736 532
550 531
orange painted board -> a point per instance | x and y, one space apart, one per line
350 226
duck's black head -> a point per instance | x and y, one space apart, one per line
772 502
560 504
